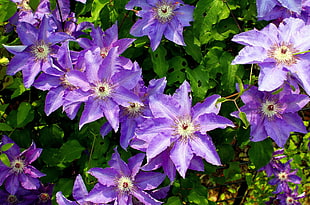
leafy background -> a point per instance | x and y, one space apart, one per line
205 62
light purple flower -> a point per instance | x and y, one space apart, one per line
55 81
273 115
161 17
283 176
273 9
36 53
135 114
274 164
79 193
177 133
123 182
277 51
20 172
103 87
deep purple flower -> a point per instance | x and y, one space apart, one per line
273 9
20 197
291 197
135 114
274 164
79 194
41 196
36 53
103 87
177 133
161 17
20 172
122 182
273 115
55 81
277 51
284 175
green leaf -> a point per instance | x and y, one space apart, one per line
8 9
196 198
260 153
244 119
51 136
4 159
174 200
191 48
177 68
23 112
6 147
158 57
233 171
5 127
70 151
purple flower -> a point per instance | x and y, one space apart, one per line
41 196
105 41
278 52
177 133
123 182
55 81
161 17
291 197
36 53
20 172
135 114
103 87
20 197
274 164
272 9
284 175
79 194
273 115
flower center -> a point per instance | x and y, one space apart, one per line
18 166
282 176
125 184
44 197
133 110
164 12
104 52
269 108
185 128
12 199
40 51
283 54
290 200
24 5
103 90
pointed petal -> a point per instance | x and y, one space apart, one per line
203 146
122 96
211 121
149 180
145 198
127 132
135 162
174 32
92 112
79 189
119 165
102 194
164 106
54 100
105 176
156 33
181 155
61 200
111 113
158 144
271 77
182 94
207 106
28 182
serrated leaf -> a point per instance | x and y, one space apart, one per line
71 150
23 112
4 159
6 147
260 153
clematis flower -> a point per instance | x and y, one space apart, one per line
36 53
55 81
284 175
177 133
41 196
291 197
135 114
122 183
273 115
274 164
20 197
20 171
161 17
278 52
103 88
105 41
79 194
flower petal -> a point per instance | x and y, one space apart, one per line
181 155
105 176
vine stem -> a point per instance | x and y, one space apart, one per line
233 16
